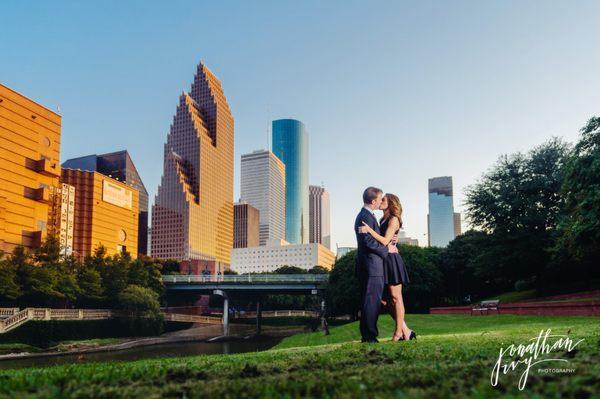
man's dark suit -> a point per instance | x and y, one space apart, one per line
369 271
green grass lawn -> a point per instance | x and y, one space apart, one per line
453 357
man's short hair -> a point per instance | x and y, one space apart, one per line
371 194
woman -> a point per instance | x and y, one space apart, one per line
393 266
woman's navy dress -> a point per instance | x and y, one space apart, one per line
393 266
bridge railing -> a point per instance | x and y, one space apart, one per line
246 278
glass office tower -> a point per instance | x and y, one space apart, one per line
440 220
290 145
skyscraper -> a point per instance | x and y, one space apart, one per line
263 187
192 216
319 226
118 165
245 226
440 220
457 224
290 144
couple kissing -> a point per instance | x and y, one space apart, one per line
380 269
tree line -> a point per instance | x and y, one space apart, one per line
45 278
535 221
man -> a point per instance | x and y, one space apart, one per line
369 265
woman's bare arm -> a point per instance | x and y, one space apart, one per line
389 233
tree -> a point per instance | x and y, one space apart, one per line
318 270
142 308
343 291
581 190
138 273
139 301
289 270
9 289
114 277
426 286
154 281
519 202
170 266
465 266
90 284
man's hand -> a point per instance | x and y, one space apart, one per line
392 248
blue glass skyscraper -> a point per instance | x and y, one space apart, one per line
441 226
290 145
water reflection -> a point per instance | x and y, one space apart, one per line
147 352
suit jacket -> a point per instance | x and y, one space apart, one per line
370 252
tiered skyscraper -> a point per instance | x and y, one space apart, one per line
263 187
192 217
290 144
319 216
441 220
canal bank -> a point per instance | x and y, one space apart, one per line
197 340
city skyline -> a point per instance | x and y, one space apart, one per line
455 62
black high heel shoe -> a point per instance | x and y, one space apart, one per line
413 335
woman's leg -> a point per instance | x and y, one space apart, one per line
405 330
398 308
387 304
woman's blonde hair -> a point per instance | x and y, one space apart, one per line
394 207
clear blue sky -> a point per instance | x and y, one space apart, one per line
392 93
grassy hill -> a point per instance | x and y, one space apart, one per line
453 357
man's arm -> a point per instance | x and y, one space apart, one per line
372 243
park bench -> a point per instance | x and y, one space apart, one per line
486 306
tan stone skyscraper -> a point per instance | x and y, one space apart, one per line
192 217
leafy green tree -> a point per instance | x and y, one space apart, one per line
114 275
48 253
90 284
39 287
9 289
519 202
464 265
139 301
142 308
581 190
154 271
289 270
138 273
170 266
318 270
426 286
68 287
343 291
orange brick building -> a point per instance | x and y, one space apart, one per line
106 213
29 169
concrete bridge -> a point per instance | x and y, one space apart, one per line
270 284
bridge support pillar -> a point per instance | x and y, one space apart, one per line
225 310
324 324
258 317
225 315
